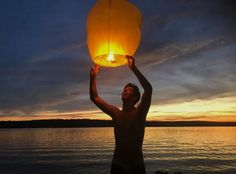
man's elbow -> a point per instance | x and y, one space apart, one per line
149 89
94 99
91 98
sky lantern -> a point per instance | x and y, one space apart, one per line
113 31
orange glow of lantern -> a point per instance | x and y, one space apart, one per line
113 31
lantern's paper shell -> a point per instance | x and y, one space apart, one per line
113 31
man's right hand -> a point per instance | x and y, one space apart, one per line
131 62
94 70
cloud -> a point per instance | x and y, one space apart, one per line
34 85
187 52
168 23
196 73
54 54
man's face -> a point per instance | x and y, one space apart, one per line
128 93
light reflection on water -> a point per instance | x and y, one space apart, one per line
89 150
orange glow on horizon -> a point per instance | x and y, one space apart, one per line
218 109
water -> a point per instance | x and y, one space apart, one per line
89 150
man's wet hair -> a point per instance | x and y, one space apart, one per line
136 91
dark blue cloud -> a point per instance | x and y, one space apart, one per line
168 22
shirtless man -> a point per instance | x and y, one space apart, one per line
129 122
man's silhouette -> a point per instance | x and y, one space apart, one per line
129 122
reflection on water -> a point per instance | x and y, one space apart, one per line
89 150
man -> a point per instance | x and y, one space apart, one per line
129 122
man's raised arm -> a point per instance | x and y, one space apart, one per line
105 107
147 95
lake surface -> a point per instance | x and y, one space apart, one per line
89 150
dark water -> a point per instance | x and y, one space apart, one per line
89 150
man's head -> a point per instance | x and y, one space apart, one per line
131 93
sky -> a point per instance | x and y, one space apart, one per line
187 52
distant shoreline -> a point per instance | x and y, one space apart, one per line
61 123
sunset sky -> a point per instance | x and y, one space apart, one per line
187 51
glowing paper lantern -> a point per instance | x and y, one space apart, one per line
113 31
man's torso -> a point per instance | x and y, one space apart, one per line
129 132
